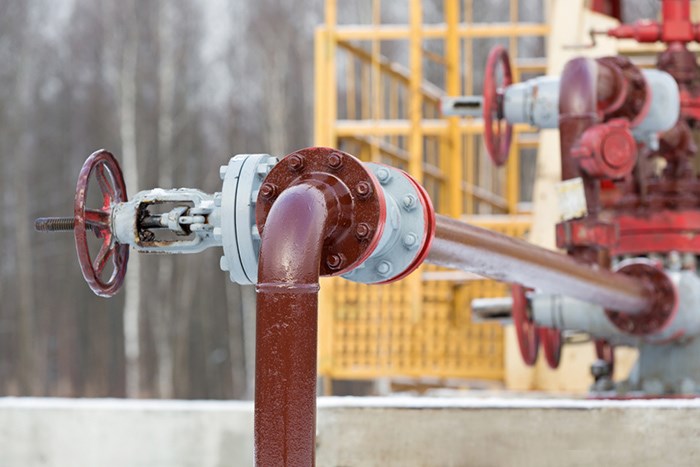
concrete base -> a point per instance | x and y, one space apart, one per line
514 432
124 433
355 432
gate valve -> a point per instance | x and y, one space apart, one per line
387 224
607 150
183 220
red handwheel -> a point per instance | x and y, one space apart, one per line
103 168
551 345
525 328
497 142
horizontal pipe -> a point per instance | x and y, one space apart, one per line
492 309
473 249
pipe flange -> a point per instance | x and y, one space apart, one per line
242 178
664 299
360 203
407 235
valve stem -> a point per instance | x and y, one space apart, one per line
57 224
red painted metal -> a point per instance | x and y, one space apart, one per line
351 183
287 326
607 150
658 317
551 346
586 233
659 232
498 142
103 168
322 215
611 8
525 329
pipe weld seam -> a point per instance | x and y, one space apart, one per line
275 287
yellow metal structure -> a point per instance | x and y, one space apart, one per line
372 105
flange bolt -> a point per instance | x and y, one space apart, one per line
384 268
335 261
335 161
362 231
410 240
409 202
296 162
363 189
268 190
383 175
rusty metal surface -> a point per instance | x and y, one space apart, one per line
287 326
472 249
665 300
103 168
359 203
320 212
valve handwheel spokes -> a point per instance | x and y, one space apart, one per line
497 142
525 328
102 168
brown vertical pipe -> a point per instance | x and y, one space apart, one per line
577 109
462 246
286 335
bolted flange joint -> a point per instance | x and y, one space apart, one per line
663 295
409 229
356 205
243 182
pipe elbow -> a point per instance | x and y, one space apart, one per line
292 238
578 94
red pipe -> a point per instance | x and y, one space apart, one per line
611 8
462 246
287 323
676 10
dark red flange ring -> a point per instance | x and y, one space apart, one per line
358 199
663 297
525 328
551 346
497 143
102 167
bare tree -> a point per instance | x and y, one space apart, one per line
127 130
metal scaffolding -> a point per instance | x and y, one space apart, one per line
377 94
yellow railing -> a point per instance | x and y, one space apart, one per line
374 331
378 89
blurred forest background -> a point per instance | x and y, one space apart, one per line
174 88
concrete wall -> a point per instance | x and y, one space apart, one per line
355 432
124 433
